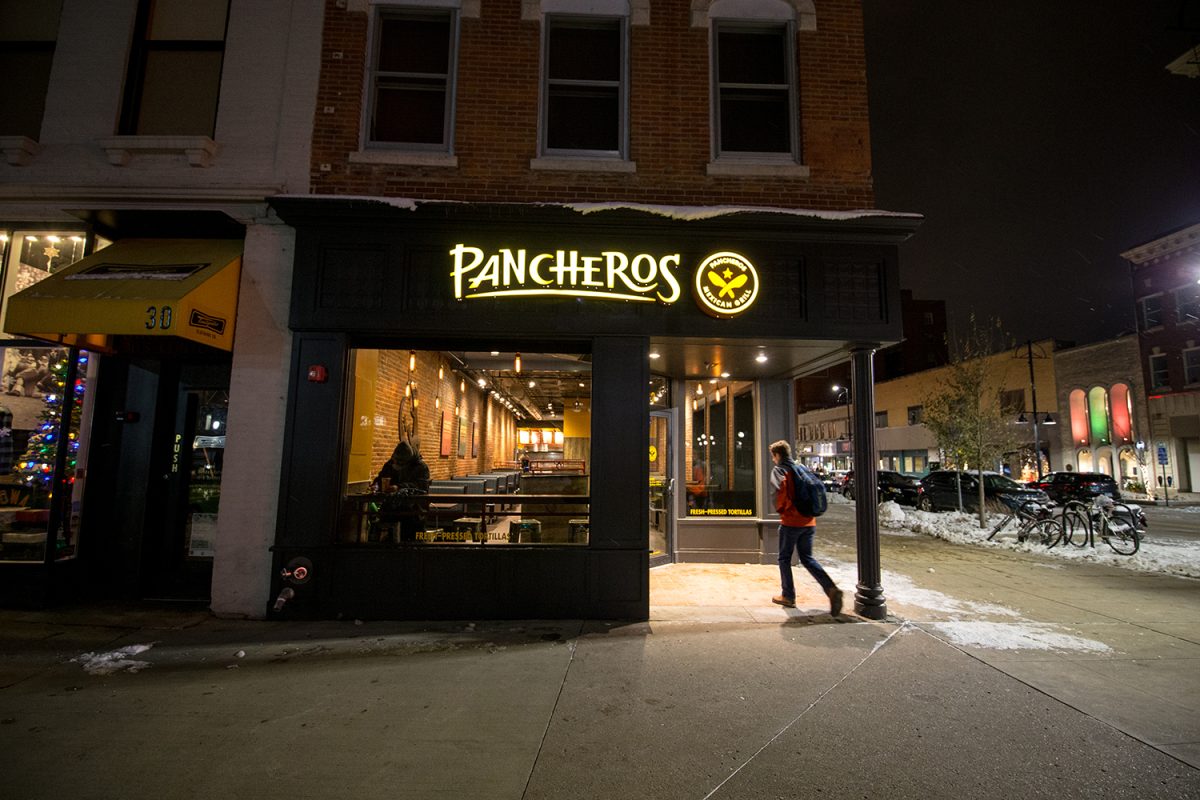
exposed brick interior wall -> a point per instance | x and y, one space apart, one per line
497 109
494 426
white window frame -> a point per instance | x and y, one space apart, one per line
1166 371
1142 311
409 152
544 149
1191 373
789 35
798 15
1194 290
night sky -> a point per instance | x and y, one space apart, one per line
1040 139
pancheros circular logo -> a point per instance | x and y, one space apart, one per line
726 284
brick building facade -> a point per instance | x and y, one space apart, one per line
1165 279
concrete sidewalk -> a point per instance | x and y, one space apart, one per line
720 695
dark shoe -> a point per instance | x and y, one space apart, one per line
786 602
835 601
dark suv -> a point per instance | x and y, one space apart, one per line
892 486
938 491
1083 486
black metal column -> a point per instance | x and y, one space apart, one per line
868 597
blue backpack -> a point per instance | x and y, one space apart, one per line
808 493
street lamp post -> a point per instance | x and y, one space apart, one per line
1037 443
843 395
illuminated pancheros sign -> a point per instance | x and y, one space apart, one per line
726 283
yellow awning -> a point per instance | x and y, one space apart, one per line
185 288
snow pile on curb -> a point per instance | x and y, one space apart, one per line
114 661
1015 636
1172 557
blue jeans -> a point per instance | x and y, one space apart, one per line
799 539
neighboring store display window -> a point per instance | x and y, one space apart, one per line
721 477
508 432
43 401
28 32
45 411
174 77
411 79
584 87
754 89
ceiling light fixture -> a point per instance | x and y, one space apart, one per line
761 358
517 363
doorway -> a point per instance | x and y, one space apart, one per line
662 489
180 536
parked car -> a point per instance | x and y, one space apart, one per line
893 486
1083 486
938 491
834 480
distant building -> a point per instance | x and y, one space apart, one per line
1165 275
1102 403
924 347
903 443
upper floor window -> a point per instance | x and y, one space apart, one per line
1159 376
1187 303
584 91
916 415
1150 311
28 32
754 92
174 76
881 419
411 84
1012 401
1191 365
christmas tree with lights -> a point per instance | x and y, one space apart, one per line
36 467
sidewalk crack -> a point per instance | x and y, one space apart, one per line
878 646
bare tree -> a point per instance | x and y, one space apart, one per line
964 412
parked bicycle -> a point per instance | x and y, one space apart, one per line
1117 525
1035 523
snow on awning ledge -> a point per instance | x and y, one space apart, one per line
684 213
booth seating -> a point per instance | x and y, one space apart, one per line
491 485
470 486
446 511
506 483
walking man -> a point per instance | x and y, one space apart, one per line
796 532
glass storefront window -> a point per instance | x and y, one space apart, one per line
721 478
45 412
510 433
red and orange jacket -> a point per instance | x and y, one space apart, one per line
781 483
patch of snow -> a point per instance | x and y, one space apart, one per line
403 203
686 213
694 213
901 589
1015 636
838 499
114 660
890 513
1168 556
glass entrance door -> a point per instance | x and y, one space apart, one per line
662 484
180 538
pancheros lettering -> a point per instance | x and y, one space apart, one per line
610 274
